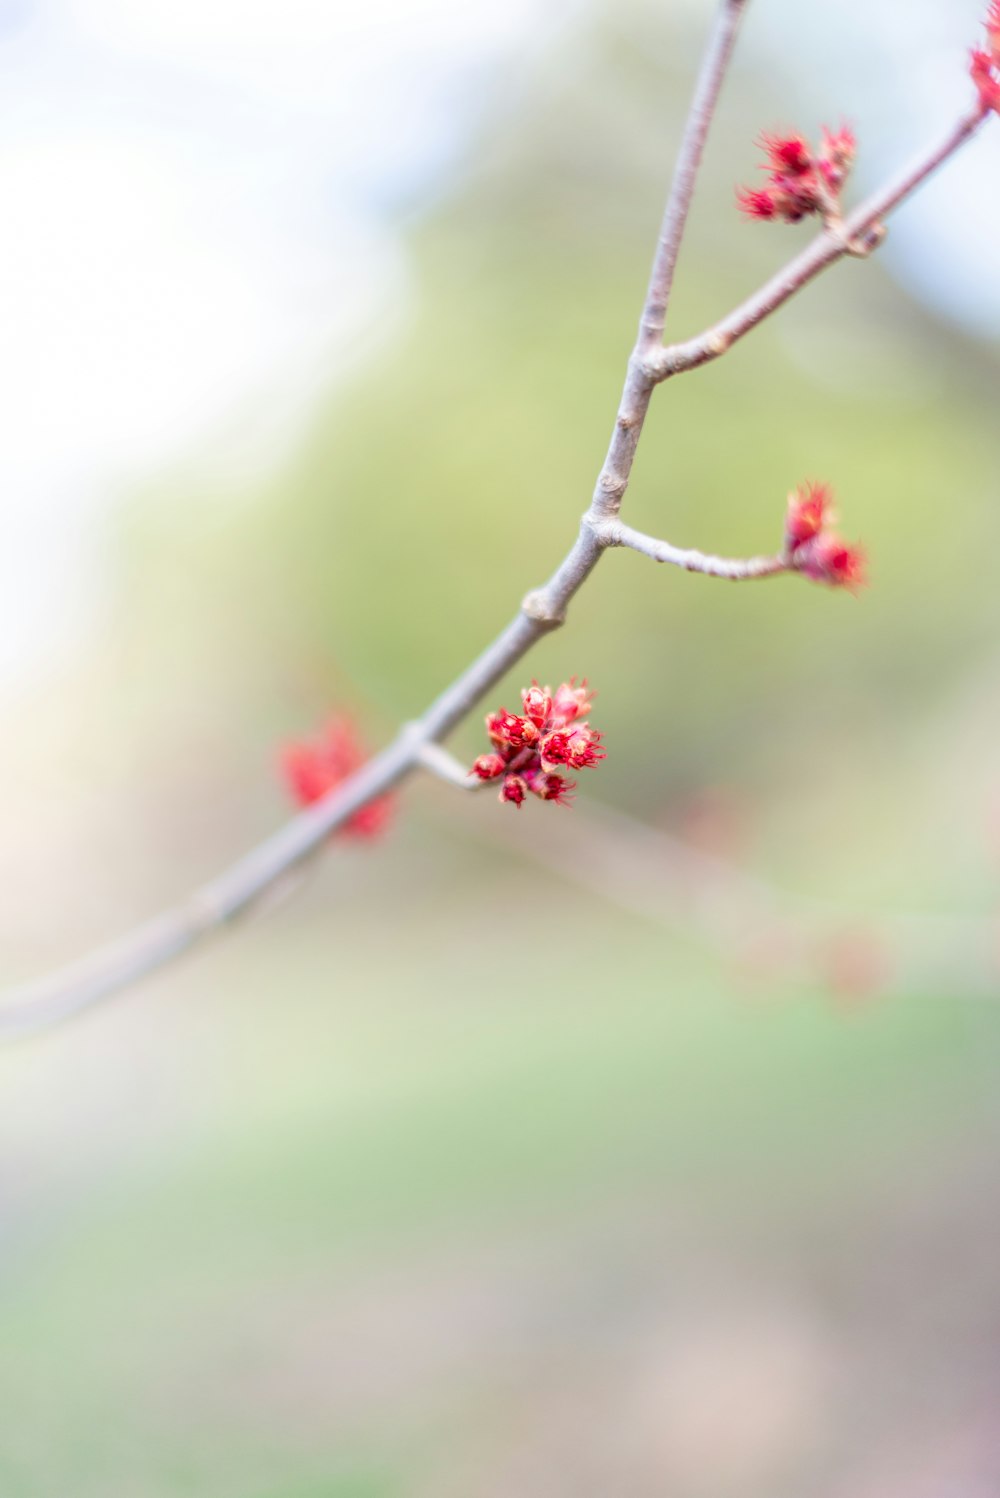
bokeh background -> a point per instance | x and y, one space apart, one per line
649 1148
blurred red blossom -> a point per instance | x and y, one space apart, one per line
828 559
854 964
787 153
992 24
315 767
984 76
815 550
800 181
985 66
808 512
530 748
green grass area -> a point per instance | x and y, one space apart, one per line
355 1110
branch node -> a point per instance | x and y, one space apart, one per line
537 607
605 532
239 887
612 484
860 246
639 363
864 244
659 366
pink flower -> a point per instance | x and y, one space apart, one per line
800 181
570 701
514 789
985 66
828 559
983 74
808 511
797 196
314 768
552 732
786 153
578 748
839 146
992 24
550 787
507 728
757 202
489 766
836 156
812 548
537 703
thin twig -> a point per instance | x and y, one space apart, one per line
734 569
696 128
220 902
436 759
215 905
861 227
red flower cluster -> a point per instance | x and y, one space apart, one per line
813 549
530 749
985 67
800 181
315 768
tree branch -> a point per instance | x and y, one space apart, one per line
437 760
218 903
735 569
699 120
860 228
265 868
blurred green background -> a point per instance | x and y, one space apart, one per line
467 1170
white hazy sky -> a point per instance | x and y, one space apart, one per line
194 202
194 198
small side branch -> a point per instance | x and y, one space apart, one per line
241 887
734 569
859 233
438 761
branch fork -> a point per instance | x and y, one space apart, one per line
734 569
417 745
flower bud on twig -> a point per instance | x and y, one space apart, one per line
552 734
315 767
